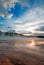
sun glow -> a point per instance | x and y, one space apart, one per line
30 29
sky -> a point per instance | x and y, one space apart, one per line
23 16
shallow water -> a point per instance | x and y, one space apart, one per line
21 50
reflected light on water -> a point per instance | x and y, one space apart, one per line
32 43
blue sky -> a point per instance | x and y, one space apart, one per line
23 16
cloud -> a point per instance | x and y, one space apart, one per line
6 5
9 3
9 16
32 20
1 14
